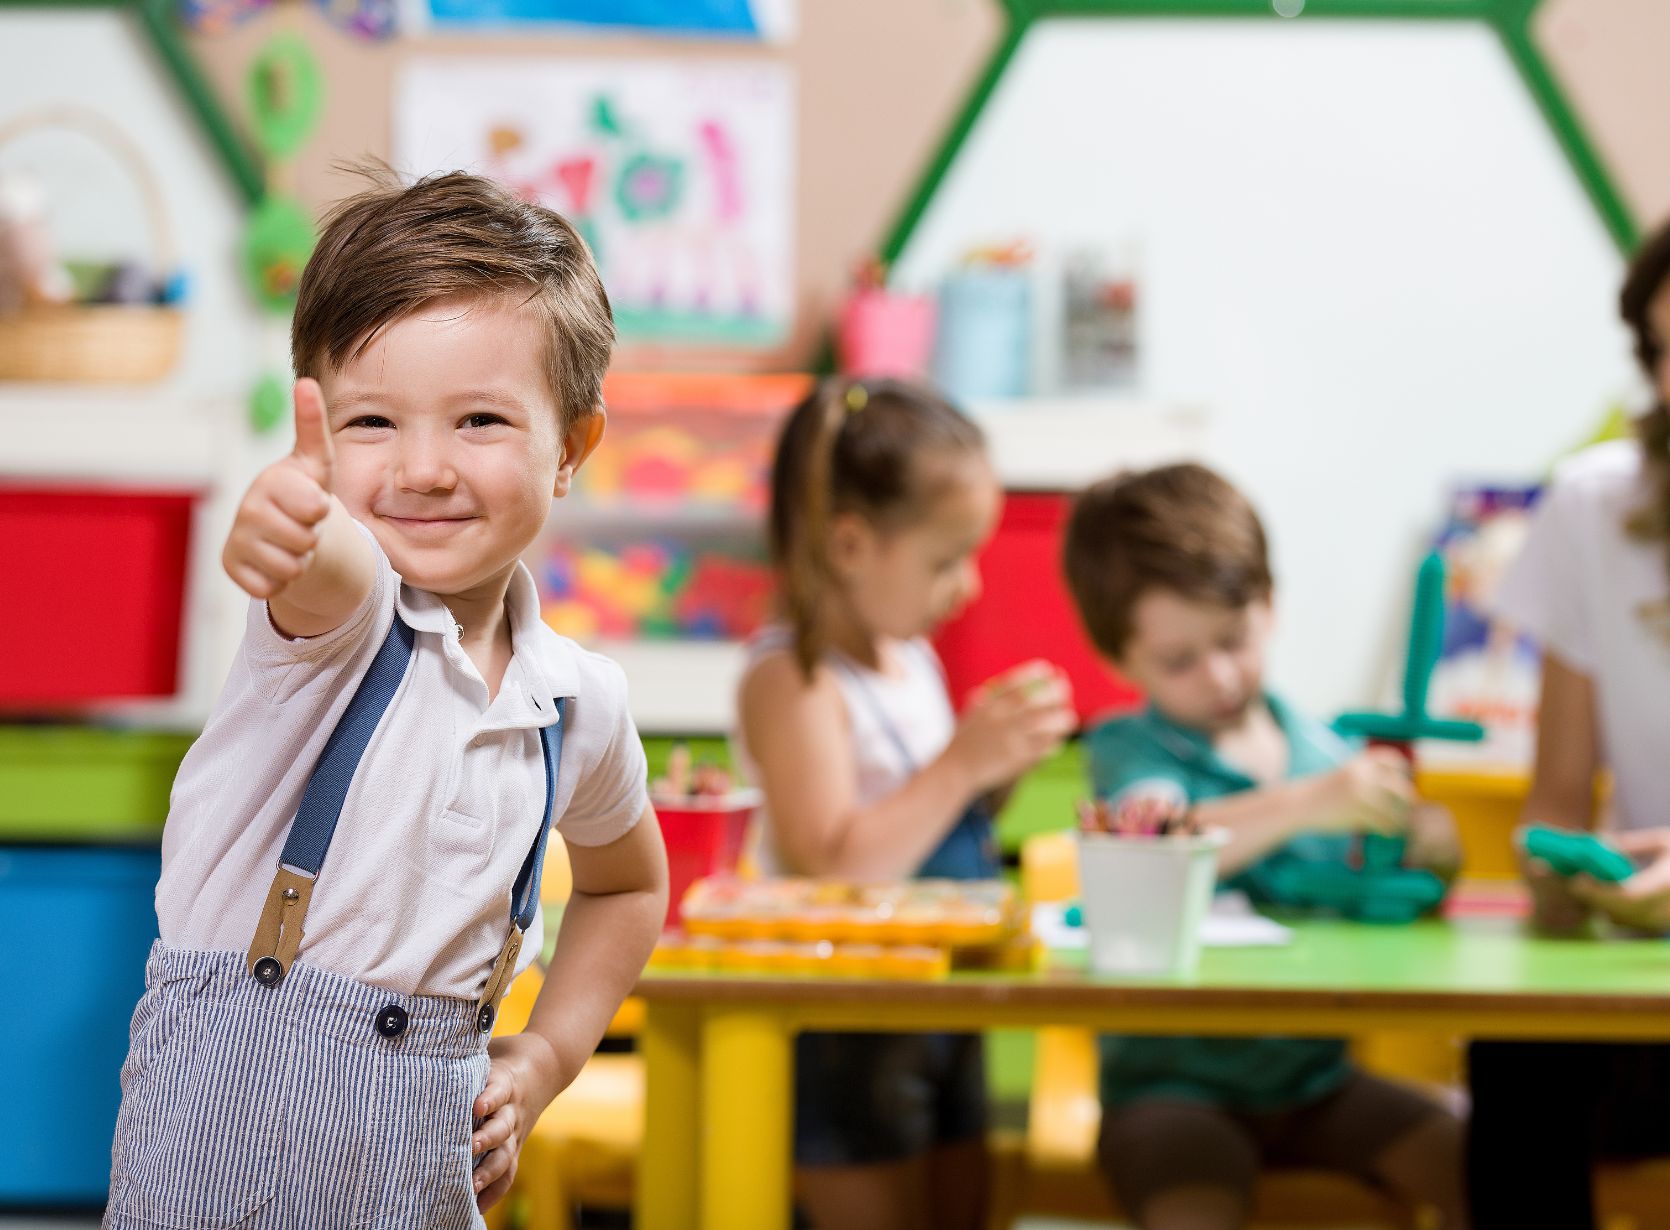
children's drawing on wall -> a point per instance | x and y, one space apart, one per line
770 20
679 175
1487 671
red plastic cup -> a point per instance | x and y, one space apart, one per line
704 837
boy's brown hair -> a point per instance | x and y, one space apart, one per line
390 250
1180 527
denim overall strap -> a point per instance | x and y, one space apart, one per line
966 852
278 935
524 894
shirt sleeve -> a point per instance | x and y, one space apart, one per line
1543 592
612 792
1125 766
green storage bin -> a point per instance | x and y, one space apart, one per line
79 783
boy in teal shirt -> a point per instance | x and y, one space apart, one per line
1170 572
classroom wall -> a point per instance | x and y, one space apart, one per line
1361 253
877 84
877 81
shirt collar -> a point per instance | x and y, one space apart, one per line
1195 748
543 665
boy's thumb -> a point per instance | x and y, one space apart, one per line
313 437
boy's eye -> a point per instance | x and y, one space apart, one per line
369 420
482 419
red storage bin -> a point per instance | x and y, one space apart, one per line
1026 612
98 580
703 839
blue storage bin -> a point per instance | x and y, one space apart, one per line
76 924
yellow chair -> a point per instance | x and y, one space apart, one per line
1053 1171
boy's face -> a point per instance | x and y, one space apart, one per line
1202 665
447 440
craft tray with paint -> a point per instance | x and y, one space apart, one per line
821 959
948 913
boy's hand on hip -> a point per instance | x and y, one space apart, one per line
276 530
523 1078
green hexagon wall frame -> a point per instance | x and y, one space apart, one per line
1510 19
157 22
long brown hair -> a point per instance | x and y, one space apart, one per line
851 447
1649 272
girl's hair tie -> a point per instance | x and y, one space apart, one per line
857 398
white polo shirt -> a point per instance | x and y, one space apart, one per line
1599 599
414 894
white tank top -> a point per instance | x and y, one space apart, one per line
899 721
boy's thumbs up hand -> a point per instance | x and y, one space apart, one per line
313 450
277 527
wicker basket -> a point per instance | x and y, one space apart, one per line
95 343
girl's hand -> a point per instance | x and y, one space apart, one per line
1370 792
1012 722
276 530
1642 902
523 1078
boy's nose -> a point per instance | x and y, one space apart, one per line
426 467
1220 667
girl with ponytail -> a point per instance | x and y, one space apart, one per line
881 496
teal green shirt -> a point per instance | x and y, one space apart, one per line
1149 753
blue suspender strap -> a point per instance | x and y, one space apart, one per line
279 933
524 894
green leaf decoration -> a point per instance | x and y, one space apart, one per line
286 93
277 242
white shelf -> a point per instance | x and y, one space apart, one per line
1063 443
679 687
111 435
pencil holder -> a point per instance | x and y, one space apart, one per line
1144 899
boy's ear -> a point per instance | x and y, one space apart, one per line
578 442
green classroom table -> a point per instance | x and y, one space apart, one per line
718 1047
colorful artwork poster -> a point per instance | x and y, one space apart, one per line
1487 671
679 174
769 20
